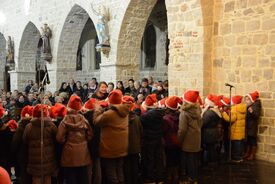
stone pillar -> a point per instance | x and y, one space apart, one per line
20 78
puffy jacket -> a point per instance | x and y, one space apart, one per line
237 121
74 132
31 137
190 124
114 131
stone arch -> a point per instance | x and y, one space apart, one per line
2 59
69 42
28 49
130 36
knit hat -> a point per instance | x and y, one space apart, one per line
90 104
225 101
12 124
253 96
58 110
172 102
191 96
40 109
236 99
75 103
4 176
161 103
115 97
26 112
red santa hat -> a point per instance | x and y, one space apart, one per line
211 100
225 101
4 176
90 104
115 97
129 100
172 102
12 124
236 99
40 110
27 112
58 110
191 96
253 96
161 103
2 112
150 101
103 103
75 103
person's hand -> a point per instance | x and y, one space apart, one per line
250 109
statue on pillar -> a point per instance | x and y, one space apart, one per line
103 30
10 54
46 53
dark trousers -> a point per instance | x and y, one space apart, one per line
153 161
189 165
211 153
131 169
237 149
76 175
112 170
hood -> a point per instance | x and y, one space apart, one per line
217 111
241 108
192 110
122 109
38 121
74 121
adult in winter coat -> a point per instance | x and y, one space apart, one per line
171 142
211 129
74 132
189 135
152 145
18 148
132 160
253 104
32 137
113 137
237 131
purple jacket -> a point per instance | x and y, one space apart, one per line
170 128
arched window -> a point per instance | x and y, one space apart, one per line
148 47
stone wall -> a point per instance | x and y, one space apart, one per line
243 54
211 42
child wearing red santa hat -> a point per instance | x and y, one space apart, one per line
253 113
189 135
237 131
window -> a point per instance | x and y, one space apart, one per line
148 48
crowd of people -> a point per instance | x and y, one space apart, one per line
110 134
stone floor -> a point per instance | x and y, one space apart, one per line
244 173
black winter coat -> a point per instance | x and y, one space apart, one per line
252 119
211 129
152 123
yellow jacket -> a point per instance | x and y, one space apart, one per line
237 120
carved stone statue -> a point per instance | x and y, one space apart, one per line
10 53
46 53
103 30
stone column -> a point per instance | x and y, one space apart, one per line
20 78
